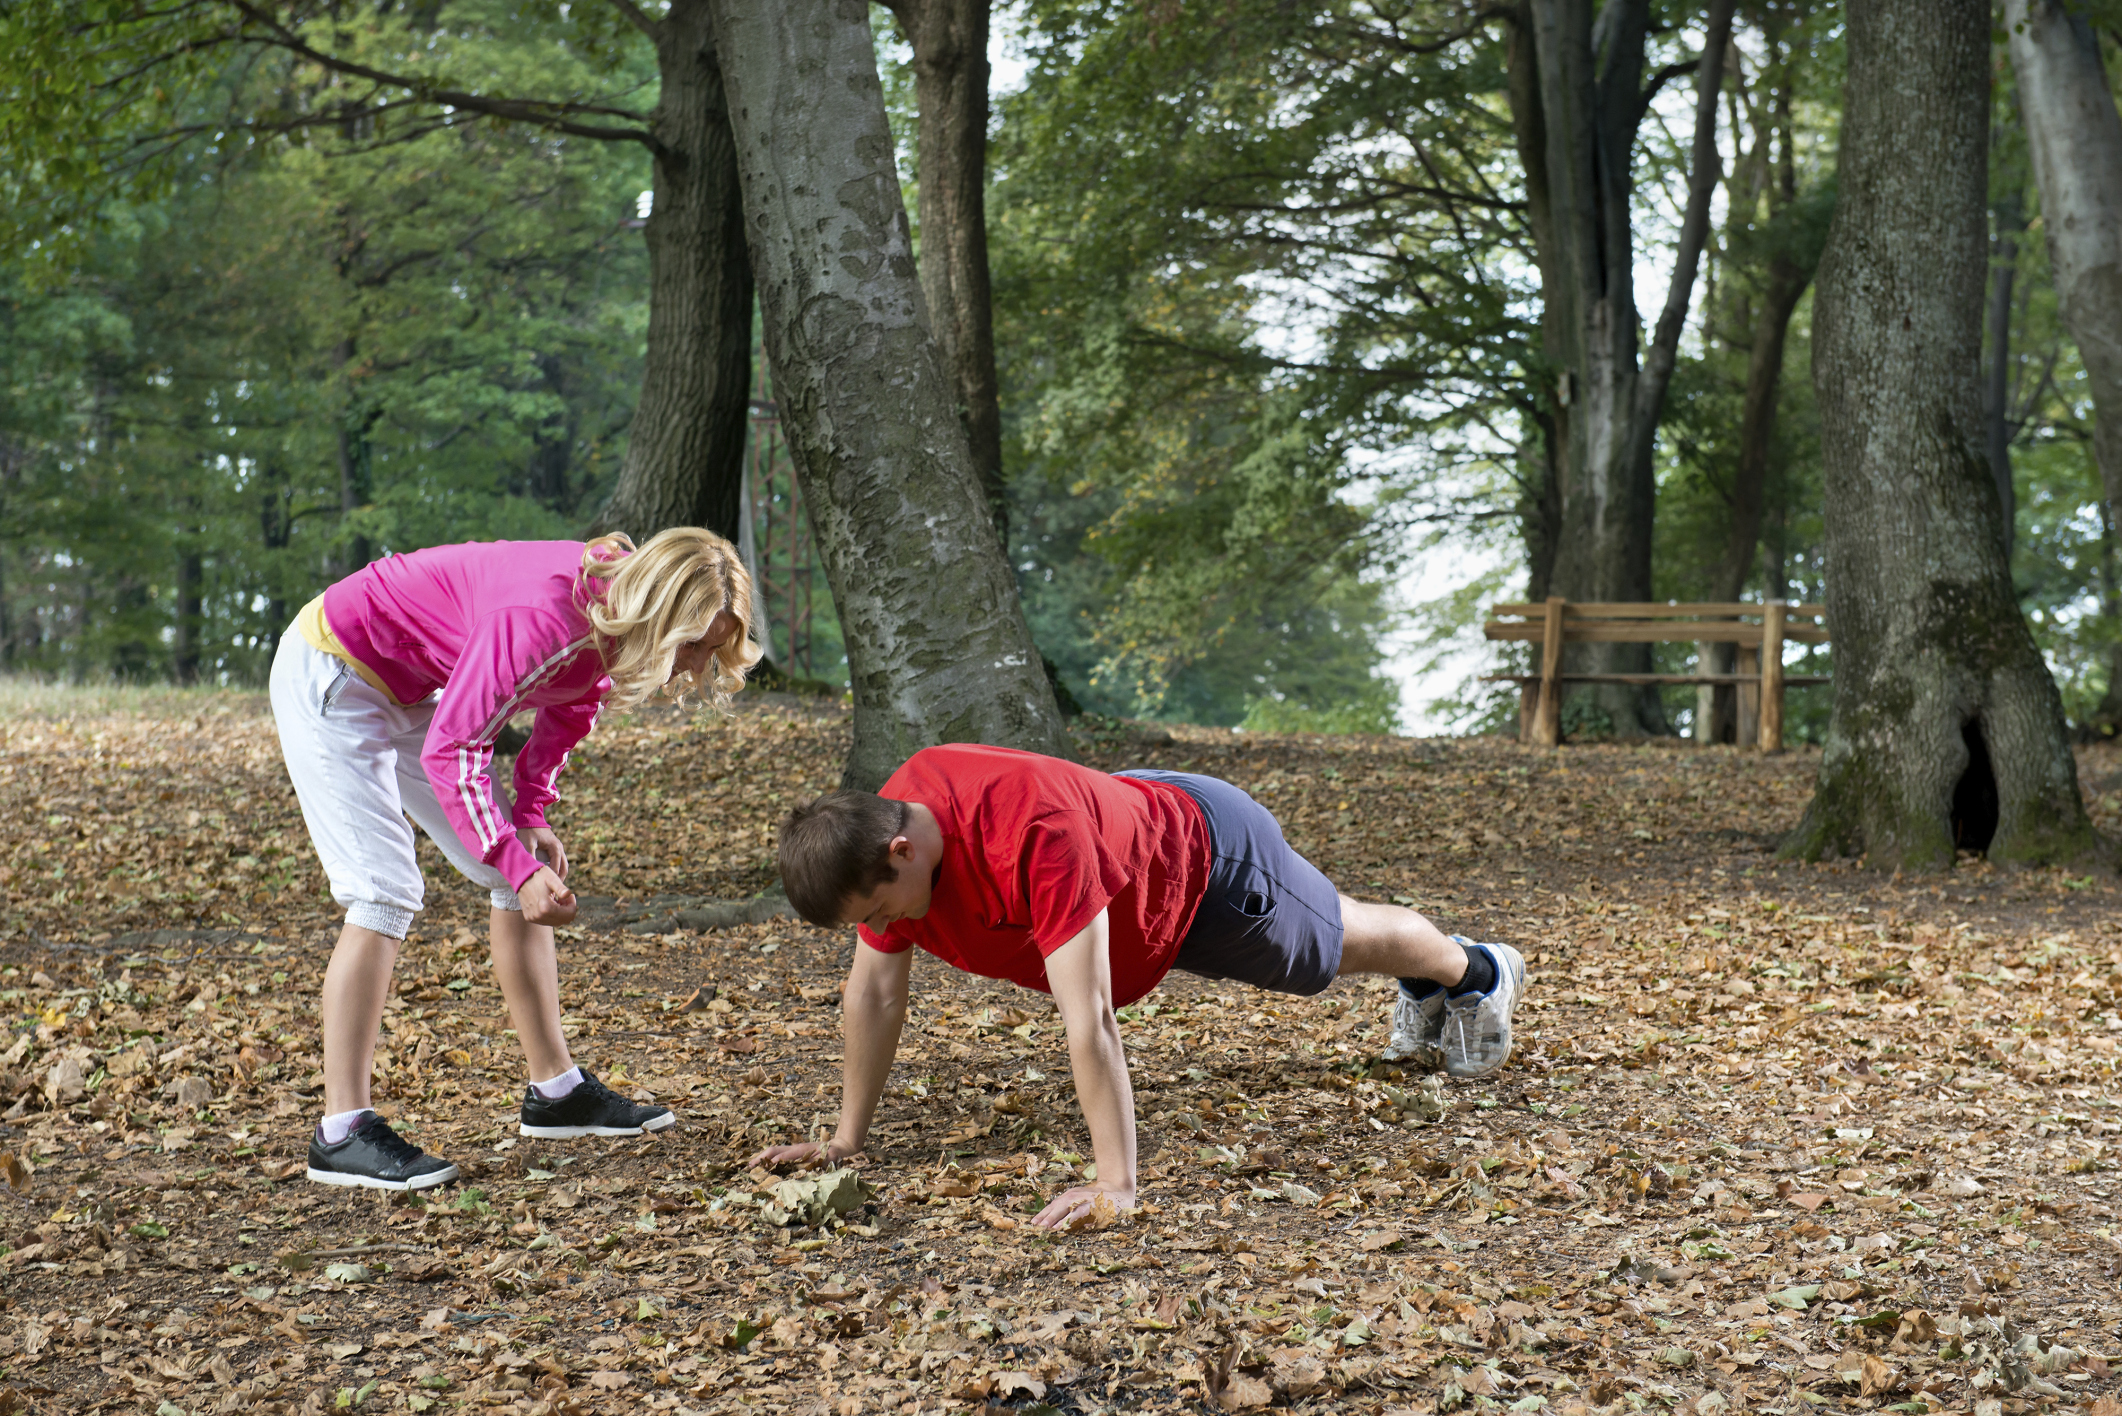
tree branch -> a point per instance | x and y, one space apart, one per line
1665 76
638 18
516 110
1694 225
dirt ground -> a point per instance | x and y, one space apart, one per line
1776 1138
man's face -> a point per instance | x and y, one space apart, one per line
903 898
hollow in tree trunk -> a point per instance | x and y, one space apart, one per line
1947 730
684 461
938 650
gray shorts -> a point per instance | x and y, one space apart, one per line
1267 916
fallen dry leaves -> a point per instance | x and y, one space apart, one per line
1776 1138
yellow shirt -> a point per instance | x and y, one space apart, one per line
317 630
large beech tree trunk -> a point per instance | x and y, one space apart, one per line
1578 101
938 649
2076 139
1947 728
949 40
685 452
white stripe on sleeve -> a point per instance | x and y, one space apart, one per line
478 805
527 685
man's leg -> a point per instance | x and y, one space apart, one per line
1397 942
1270 918
1436 971
1455 998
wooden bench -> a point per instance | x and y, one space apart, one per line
1760 631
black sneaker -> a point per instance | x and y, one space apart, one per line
375 1156
591 1109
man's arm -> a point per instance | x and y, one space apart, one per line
872 1013
1081 977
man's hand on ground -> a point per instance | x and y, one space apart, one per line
1079 1202
806 1153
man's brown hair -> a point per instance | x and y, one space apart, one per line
836 848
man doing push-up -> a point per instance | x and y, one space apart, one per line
1092 887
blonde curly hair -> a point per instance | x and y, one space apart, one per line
647 604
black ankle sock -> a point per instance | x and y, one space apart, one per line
1480 975
1419 987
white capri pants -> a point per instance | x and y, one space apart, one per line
355 760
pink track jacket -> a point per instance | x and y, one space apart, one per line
498 626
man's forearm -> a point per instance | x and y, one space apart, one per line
872 1041
1107 1097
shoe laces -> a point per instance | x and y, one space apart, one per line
594 1089
393 1147
1459 1018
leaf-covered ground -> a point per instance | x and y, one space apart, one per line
1776 1138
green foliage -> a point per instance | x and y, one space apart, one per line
1373 708
284 289
266 323
1257 296
2064 564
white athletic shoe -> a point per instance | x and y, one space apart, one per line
1418 1025
1476 1028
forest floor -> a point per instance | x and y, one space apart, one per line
1776 1138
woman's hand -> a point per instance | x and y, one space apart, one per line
545 900
1080 1201
542 843
808 1153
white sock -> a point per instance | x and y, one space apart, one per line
559 1086
339 1125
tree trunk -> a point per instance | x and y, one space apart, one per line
191 604
1792 255
1764 377
1586 83
2010 220
1540 500
2076 139
1947 729
938 650
354 467
2107 718
547 478
684 461
276 528
949 40
1763 312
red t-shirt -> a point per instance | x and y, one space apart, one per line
1033 848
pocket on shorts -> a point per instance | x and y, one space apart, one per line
1252 903
336 687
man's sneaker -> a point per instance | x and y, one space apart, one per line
1418 1030
376 1157
591 1109
1476 1033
